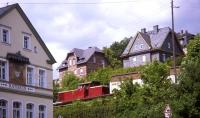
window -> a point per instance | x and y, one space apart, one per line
73 62
3 70
81 71
141 46
144 58
27 43
30 76
3 109
70 62
17 110
75 72
94 59
168 45
135 47
41 78
29 110
35 49
42 111
5 36
134 59
164 57
103 63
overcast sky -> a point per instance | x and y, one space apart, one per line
67 26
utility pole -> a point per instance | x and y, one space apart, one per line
173 40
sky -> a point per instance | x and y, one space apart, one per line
77 24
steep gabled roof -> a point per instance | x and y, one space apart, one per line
82 55
7 9
154 39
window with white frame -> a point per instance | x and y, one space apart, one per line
29 110
5 35
27 42
42 111
3 108
42 78
30 76
17 108
134 59
144 58
3 70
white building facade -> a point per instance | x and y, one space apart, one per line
26 72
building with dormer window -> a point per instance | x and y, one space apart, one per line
148 46
82 62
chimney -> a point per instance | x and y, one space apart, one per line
143 30
186 32
155 28
182 32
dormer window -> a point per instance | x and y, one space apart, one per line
27 42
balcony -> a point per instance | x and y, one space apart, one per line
26 89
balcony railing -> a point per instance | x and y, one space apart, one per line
26 89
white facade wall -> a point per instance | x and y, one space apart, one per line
36 101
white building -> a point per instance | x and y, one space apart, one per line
117 80
26 72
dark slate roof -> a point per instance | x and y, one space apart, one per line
82 55
154 39
7 9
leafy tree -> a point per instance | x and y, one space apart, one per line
55 91
70 81
188 97
118 47
114 51
148 100
112 60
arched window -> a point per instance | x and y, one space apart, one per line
29 110
17 113
3 109
42 111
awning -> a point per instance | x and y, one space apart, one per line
17 57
